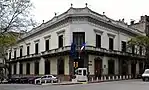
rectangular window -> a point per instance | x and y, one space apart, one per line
133 49
21 68
28 50
60 41
79 38
98 41
110 43
47 45
36 68
140 50
123 43
20 52
9 55
36 48
14 69
27 68
15 54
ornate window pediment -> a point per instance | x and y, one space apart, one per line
97 31
111 35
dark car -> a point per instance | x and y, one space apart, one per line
14 80
31 80
24 80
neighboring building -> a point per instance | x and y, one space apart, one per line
46 49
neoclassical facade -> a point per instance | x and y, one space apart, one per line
46 48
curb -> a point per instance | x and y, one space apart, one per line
61 84
81 82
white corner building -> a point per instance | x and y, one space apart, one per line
46 48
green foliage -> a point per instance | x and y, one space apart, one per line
7 40
139 41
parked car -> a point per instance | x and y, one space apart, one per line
47 79
31 80
145 75
15 79
24 80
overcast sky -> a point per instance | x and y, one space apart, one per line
115 9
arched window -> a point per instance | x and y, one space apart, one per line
60 66
111 67
36 68
47 66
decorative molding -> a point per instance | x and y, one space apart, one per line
97 31
37 41
21 46
47 37
61 32
15 49
111 35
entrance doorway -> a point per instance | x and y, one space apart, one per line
98 67
133 69
111 67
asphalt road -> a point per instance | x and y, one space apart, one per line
116 85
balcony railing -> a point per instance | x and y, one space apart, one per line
87 48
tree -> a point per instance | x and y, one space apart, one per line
141 41
15 15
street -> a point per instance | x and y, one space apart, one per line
115 85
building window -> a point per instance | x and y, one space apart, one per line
111 43
98 41
47 67
60 41
111 67
28 50
79 38
20 52
9 55
140 50
28 68
47 45
133 49
36 48
15 54
36 68
14 69
21 68
123 43
60 66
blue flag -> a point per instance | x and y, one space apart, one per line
73 50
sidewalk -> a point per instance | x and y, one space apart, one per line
74 83
63 83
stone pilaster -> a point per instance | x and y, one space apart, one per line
137 68
18 68
42 66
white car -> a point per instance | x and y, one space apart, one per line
145 75
46 79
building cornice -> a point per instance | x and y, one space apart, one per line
78 14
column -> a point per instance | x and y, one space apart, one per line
32 68
12 69
18 68
24 68
129 67
91 64
116 66
105 65
137 67
42 66
53 66
66 63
